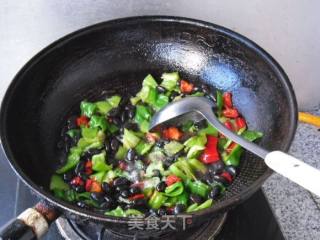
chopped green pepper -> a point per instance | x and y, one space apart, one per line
121 153
73 133
87 108
195 145
170 80
192 208
103 107
130 140
114 101
99 162
72 160
149 81
198 187
219 102
173 147
143 148
118 212
174 190
89 132
204 205
98 121
157 200
196 165
58 183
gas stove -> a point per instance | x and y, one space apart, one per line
251 220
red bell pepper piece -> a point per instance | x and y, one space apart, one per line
227 100
95 187
152 137
172 133
122 165
227 176
228 125
88 185
82 121
230 113
136 196
88 167
231 147
171 179
240 123
186 87
77 181
210 153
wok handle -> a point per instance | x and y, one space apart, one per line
32 223
294 169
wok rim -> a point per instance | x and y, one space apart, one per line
219 207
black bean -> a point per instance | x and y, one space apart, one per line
179 208
81 204
156 173
131 112
173 95
123 117
107 188
195 89
231 170
108 199
161 89
161 143
131 155
153 212
195 198
107 145
114 144
83 176
124 193
79 188
216 168
80 167
215 192
205 88
201 124
71 122
106 205
121 188
162 211
134 190
220 179
116 121
68 176
161 186
99 197
121 181
124 101
139 202
114 112
211 97
88 154
131 126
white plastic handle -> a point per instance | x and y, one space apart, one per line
294 169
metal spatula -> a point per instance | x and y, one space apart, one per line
198 108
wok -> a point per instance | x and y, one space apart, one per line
113 57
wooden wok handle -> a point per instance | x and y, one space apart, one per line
32 223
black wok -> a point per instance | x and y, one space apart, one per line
113 57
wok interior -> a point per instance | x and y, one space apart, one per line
111 59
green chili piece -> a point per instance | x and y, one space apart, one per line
157 200
130 140
173 147
183 198
170 80
121 153
133 212
192 208
72 160
103 107
57 183
73 133
204 205
174 190
99 162
98 121
176 171
219 101
89 132
114 101
143 148
196 165
118 212
87 108
198 187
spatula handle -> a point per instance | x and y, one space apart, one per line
294 169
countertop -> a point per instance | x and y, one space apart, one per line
297 210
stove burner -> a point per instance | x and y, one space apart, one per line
72 231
